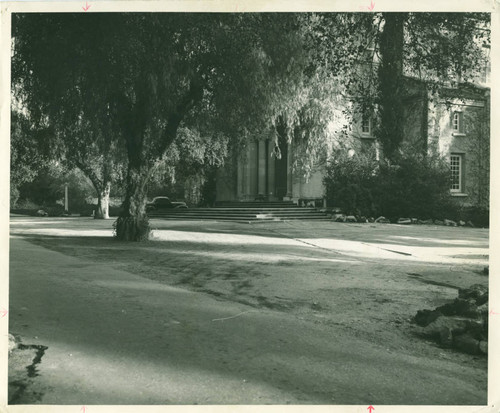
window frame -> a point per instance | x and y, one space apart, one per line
366 120
460 165
457 123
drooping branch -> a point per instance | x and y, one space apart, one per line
187 102
90 173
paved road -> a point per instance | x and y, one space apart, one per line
116 338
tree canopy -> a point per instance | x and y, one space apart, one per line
137 78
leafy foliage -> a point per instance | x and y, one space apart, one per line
413 186
446 46
54 89
46 189
25 157
137 78
350 181
188 165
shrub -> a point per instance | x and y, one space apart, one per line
411 186
25 207
349 183
27 204
14 196
414 186
480 217
55 210
48 188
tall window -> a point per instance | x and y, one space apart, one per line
457 122
456 165
366 125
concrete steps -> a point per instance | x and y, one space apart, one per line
245 212
256 204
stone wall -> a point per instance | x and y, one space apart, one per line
471 143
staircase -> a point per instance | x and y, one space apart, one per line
244 212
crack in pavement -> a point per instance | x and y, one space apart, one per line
20 396
336 251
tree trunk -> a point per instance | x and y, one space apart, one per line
102 211
391 91
133 223
102 188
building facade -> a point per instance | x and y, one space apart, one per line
459 130
257 174
451 122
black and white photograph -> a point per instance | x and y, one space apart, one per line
234 206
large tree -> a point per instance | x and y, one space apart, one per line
91 145
131 81
147 75
55 86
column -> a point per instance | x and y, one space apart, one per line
271 171
239 178
289 177
252 170
261 168
247 170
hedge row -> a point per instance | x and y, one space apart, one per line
413 186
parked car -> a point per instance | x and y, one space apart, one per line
163 202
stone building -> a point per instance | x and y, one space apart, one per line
458 128
453 122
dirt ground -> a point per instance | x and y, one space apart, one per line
354 287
